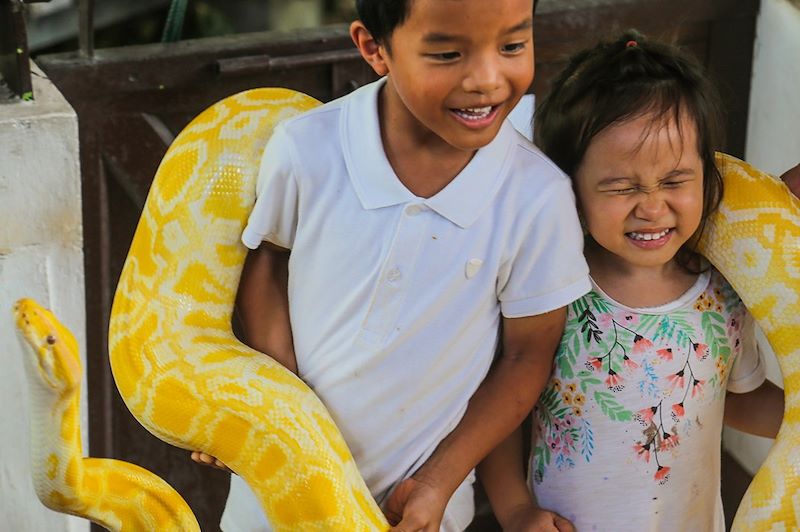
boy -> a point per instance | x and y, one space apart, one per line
420 220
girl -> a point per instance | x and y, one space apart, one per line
661 351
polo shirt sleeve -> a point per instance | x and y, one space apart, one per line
748 371
274 216
548 270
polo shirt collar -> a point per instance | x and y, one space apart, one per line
376 184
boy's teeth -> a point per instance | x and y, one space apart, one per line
475 112
648 236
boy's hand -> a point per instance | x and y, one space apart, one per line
792 180
415 505
531 518
207 459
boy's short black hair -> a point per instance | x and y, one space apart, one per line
381 17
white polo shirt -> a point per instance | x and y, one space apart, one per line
395 300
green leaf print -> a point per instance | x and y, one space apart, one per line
716 335
587 380
676 330
611 407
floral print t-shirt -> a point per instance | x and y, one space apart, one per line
627 431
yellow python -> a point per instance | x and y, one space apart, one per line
191 383
111 493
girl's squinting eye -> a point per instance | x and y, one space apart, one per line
672 184
623 191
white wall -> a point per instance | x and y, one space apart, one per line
773 142
41 256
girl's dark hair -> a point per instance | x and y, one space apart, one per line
624 79
381 17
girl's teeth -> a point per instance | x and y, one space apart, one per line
648 236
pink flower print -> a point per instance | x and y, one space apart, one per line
596 362
646 414
605 319
613 379
641 344
643 451
630 364
669 441
676 380
678 409
697 386
665 354
662 473
701 350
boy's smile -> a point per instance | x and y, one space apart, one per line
455 70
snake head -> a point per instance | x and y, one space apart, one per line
53 350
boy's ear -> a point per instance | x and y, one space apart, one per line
372 52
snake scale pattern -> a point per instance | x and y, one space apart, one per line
189 381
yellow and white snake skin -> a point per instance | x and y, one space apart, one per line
189 381
111 493
754 241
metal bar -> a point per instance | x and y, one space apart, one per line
86 27
15 67
239 66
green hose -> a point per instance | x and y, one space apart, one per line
173 28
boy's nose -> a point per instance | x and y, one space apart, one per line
483 76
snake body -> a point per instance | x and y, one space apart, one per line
111 493
178 366
189 381
754 241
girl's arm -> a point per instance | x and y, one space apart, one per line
499 405
503 478
759 412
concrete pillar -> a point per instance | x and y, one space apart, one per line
41 256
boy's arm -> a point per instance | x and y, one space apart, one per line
262 303
758 412
498 406
502 474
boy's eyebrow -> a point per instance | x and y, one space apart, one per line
437 37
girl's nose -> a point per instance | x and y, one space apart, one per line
651 205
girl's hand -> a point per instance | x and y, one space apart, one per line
531 518
207 459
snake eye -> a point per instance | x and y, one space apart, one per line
51 339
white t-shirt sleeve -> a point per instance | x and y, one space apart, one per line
548 270
274 216
748 371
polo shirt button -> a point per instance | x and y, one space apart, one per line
413 210
394 274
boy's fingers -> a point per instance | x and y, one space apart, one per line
563 525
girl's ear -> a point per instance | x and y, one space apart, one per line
372 52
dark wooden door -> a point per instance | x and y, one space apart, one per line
131 102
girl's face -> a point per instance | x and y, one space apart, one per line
640 190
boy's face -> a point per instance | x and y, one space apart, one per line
457 68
